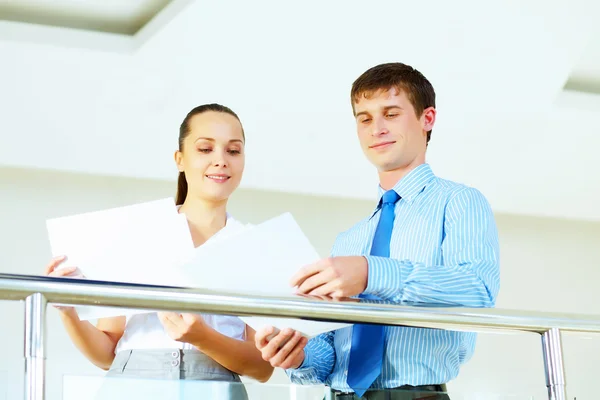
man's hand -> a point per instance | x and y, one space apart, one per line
283 349
188 328
335 277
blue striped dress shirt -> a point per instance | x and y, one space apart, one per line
444 250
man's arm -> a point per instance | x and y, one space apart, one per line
470 275
319 359
305 361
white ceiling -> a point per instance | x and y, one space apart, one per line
115 16
111 104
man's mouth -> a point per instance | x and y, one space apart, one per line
381 145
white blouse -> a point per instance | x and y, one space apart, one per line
144 331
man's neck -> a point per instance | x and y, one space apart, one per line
389 179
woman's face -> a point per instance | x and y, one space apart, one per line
212 156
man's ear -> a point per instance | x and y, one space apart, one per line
428 118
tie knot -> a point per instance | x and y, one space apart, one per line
390 197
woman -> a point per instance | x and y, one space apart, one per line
169 345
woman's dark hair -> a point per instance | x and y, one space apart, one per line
184 131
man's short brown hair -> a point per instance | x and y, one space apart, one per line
397 76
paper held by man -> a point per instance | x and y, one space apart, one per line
150 243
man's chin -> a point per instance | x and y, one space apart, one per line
388 166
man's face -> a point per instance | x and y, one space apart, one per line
391 135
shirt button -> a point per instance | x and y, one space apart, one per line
175 363
175 354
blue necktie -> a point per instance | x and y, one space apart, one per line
366 353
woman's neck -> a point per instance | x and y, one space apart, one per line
204 218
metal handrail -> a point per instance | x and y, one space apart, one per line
97 293
37 291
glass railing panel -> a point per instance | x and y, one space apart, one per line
582 358
492 396
3 385
506 365
100 388
12 367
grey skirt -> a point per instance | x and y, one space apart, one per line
169 374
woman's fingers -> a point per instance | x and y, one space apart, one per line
55 262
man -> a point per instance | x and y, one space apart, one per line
428 240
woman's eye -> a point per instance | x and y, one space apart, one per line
235 152
204 150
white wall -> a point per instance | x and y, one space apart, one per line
548 265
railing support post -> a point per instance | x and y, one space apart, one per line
35 346
553 365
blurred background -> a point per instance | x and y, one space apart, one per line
92 93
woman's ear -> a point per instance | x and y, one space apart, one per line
179 160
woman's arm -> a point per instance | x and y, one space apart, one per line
96 343
239 356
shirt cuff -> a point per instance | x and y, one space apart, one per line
304 373
385 276
306 362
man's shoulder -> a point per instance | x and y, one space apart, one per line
449 191
354 229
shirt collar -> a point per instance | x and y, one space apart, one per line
228 218
410 185
231 227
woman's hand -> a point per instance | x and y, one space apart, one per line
68 272
187 328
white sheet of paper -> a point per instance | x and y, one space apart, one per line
260 259
140 243
307 328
